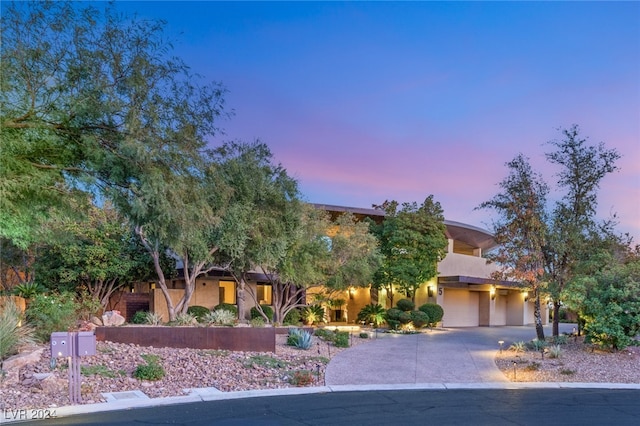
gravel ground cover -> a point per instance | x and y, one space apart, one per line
576 362
111 370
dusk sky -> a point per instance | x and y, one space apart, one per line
367 101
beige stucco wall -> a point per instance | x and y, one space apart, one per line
461 264
461 308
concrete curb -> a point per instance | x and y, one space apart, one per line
213 394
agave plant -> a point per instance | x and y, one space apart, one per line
220 317
153 318
12 333
299 338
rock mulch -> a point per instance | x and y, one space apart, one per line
577 363
111 370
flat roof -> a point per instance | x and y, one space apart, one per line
472 235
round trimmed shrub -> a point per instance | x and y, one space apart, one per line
434 311
227 307
268 311
140 317
404 317
292 318
419 319
405 305
199 312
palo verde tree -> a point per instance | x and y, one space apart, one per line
412 241
521 229
573 230
90 100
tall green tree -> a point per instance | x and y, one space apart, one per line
412 241
521 229
263 212
573 230
90 99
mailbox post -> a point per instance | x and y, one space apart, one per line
72 345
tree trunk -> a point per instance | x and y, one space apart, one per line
537 316
556 317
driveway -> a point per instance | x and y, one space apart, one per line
454 355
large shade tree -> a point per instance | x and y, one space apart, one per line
520 229
412 240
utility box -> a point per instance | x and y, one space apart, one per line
60 345
86 343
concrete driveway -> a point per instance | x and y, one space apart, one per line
454 355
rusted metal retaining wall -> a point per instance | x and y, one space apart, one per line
251 339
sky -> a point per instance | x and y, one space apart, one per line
364 102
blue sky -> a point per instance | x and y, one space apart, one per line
367 101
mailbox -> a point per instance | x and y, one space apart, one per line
60 345
86 343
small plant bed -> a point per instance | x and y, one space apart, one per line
568 360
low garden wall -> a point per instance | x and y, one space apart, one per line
251 339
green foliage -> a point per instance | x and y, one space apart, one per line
140 317
28 290
185 319
518 347
412 241
227 307
313 314
220 317
257 322
364 335
560 340
98 370
434 311
404 317
534 366
12 334
153 318
87 305
293 317
198 312
49 313
266 361
555 351
301 378
325 334
419 319
405 305
268 311
393 318
151 371
372 314
567 372
299 338
342 339
537 345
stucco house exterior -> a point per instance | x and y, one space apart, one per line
463 287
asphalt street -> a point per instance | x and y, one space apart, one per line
438 407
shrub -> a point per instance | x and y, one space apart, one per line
405 305
257 322
12 335
28 290
87 306
434 311
268 311
140 317
567 372
537 345
185 319
341 339
228 307
534 366
372 314
419 319
220 317
292 318
312 314
49 313
518 347
152 318
560 340
325 334
301 378
198 312
555 351
404 317
364 335
151 371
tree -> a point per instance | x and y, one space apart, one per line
521 229
98 255
608 301
412 241
90 100
261 215
573 228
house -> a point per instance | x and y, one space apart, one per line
463 287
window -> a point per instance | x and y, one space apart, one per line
264 294
227 292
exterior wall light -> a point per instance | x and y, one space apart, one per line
526 296
430 291
492 293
